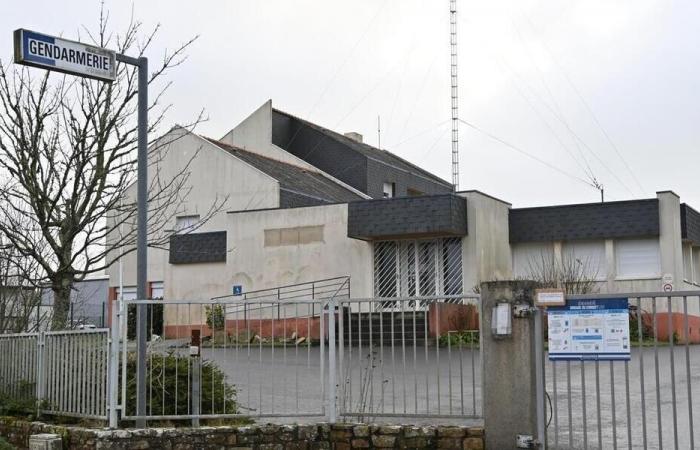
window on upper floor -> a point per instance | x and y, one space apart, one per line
389 190
585 258
185 224
696 264
638 258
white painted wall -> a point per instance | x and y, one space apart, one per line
486 252
215 176
254 134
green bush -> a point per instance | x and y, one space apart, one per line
4 445
22 402
460 339
216 317
168 377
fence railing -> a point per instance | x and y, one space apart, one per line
58 373
650 401
294 358
409 357
74 373
19 366
255 359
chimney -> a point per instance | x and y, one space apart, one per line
354 136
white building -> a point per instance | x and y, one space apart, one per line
304 203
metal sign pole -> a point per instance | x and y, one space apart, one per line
141 230
76 58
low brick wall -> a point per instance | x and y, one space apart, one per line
255 437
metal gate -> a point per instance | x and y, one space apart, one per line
409 357
260 358
651 401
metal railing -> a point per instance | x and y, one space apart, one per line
650 401
74 373
57 373
315 290
419 359
295 359
256 358
18 366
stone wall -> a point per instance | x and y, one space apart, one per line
256 437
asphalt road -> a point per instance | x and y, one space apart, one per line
405 386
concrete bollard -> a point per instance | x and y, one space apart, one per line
45 442
508 364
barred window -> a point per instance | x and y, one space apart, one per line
410 268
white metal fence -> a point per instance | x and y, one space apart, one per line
18 366
401 357
650 401
58 373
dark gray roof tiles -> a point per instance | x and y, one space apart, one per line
368 150
690 224
635 218
298 186
427 215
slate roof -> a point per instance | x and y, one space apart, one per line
299 186
368 150
690 224
635 218
400 217
193 248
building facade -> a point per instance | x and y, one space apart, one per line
303 203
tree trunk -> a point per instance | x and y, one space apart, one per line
61 288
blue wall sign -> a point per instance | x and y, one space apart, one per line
54 53
237 289
596 329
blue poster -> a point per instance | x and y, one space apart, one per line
591 329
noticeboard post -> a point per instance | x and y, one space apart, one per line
590 329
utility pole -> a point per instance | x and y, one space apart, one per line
379 133
455 96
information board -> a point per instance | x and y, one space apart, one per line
591 329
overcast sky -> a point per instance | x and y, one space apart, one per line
550 78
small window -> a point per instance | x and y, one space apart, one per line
185 224
638 258
157 290
389 190
585 258
129 293
696 265
532 259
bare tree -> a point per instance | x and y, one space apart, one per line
20 301
574 275
68 157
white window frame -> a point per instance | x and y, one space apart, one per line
388 189
650 273
190 222
602 270
523 253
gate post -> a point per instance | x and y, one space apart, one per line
508 363
113 374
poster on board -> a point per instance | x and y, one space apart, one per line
590 329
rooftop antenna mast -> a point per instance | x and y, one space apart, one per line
455 98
